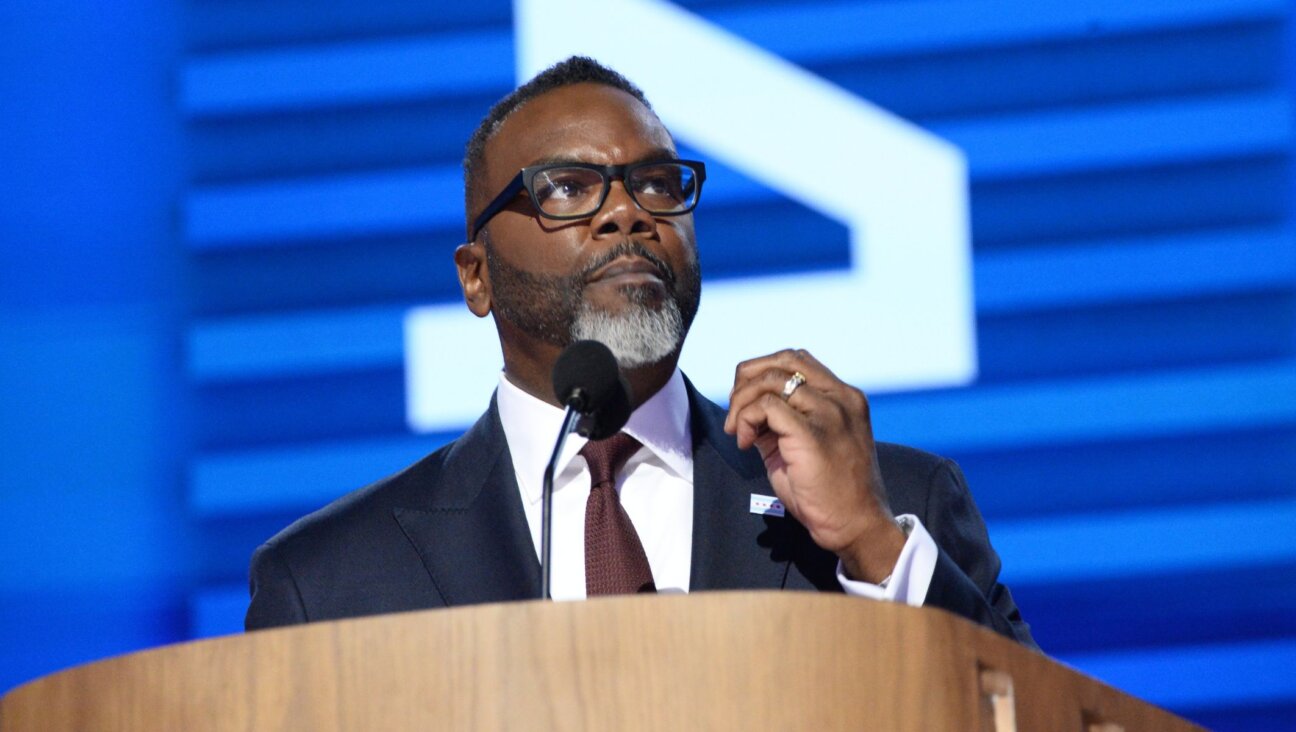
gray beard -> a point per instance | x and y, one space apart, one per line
553 308
637 336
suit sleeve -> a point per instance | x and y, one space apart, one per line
966 579
276 600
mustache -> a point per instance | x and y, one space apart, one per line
629 248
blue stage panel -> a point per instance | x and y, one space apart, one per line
1200 677
1161 609
306 477
347 74
44 630
1122 136
334 141
1142 201
1103 475
225 24
335 207
1161 335
1018 416
1097 69
297 409
325 276
395 68
1090 547
812 33
1021 146
217 610
1100 408
260 346
1127 270
1134 269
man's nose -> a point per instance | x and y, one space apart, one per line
620 214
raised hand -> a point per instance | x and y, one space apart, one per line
814 434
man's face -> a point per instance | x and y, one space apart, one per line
622 276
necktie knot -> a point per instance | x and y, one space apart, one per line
607 457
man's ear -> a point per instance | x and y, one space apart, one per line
474 277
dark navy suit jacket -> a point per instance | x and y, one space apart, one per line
450 530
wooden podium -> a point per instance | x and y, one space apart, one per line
717 661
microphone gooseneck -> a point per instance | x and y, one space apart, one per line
587 381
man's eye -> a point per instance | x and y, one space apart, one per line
560 188
569 188
662 186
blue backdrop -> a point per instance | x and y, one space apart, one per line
226 171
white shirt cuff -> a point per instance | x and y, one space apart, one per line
913 571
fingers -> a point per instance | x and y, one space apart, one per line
766 411
769 375
766 414
789 361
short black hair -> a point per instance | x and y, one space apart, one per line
574 70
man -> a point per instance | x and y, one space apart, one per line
580 227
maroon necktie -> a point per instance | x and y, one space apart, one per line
615 562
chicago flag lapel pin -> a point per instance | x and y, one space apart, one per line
766 505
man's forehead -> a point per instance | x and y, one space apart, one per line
579 121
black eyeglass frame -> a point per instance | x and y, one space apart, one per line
525 179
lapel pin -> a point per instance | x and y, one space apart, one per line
766 505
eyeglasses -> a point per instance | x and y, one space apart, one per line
578 190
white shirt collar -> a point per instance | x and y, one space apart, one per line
531 428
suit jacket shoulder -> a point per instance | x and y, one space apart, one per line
398 544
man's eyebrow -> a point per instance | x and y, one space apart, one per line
555 160
660 153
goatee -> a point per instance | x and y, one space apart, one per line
553 307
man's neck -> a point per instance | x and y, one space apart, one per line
644 381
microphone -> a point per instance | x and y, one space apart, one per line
587 381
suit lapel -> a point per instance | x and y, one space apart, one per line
732 547
472 532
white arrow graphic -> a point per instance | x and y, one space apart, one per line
900 318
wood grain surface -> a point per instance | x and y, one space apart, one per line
714 661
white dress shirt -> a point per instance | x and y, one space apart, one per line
656 487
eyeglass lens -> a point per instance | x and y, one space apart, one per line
657 188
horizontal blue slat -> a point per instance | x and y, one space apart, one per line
332 207
217 610
1126 270
221 24
1204 195
1106 408
825 32
298 344
965 420
1134 269
297 478
1209 467
1080 548
387 202
354 73
1114 137
1231 675
373 71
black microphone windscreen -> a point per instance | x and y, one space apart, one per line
608 418
586 377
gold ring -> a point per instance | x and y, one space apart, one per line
792 384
